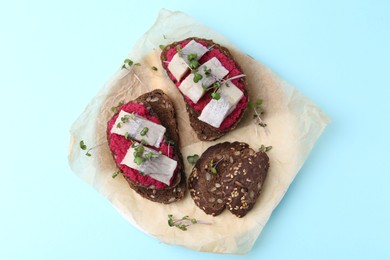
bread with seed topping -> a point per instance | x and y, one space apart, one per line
243 182
235 183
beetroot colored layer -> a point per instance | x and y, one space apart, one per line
119 145
233 69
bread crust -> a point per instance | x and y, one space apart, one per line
204 131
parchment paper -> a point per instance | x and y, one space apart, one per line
294 124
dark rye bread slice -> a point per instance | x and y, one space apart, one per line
243 182
161 106
204 131
206 188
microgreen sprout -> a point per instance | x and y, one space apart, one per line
256 106
161 46
144 131
197 76
125 119
213 166
193 60
264 148
178 49
116 173
127 63
192 158
139 153
215 95
184 222
84 147
206 71
115 109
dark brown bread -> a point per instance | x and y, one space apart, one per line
206 188
160 105
243 182
240 175
204 131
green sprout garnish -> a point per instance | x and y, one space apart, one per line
84 147
178 49
197 77
213 168
154 68
264 148
125 119
206 71
127 63
139 154
115 109
116 173
192 56
161 46
215 95
256 106
144 131
192 158
184 222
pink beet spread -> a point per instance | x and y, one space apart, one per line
119 145
233 69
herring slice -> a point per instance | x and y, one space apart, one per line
194 90
160 168
178 66
134 125
217 110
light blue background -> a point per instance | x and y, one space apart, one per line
55 56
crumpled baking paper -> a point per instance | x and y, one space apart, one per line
293 125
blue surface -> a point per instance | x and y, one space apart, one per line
55 56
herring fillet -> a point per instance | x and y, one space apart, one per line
194 90
178 66
135 125
217 110
160 168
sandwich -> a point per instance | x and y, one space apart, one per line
144 142
211 82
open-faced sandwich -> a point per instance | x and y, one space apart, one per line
228 175
144 141
210 81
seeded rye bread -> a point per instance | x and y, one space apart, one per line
204 131
206 188
243 182
161 106
238 181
